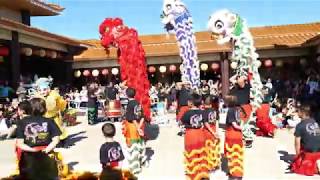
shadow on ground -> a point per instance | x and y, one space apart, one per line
72 164
73 139
149 153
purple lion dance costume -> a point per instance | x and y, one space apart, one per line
177 19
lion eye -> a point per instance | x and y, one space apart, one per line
168 6
219 24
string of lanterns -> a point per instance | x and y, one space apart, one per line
215 66
95 72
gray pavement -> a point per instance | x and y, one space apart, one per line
266 160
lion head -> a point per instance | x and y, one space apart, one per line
171 10
221 24
110 29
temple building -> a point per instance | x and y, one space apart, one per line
26 50
284 50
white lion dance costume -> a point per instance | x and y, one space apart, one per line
231 28
177 19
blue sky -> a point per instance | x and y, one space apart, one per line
81 18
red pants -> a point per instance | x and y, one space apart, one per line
305 163
196 161
233 148
266 128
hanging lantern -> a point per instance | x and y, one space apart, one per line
77 73
215 66
279 63
51 54
41 52
234 65
152 69
105 72
86 73
268 63
95 73
162 69
172 68
4 51
303 61
115 71
204 67
26 51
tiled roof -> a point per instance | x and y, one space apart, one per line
267 37
19 27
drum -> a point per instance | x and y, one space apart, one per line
113 109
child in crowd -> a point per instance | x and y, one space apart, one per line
196 161
233 139
211 123
111 154
134 133
24 110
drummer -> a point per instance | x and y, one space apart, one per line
111 92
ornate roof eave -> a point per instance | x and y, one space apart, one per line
48 6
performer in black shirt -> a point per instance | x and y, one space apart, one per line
211 123
37 137
307 144
233 139
133 132
194 141
92 104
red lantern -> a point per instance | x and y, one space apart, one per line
152 69
105 72
268 63
86 73
215 66
172 68
4 51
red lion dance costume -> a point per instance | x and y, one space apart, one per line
132 60
133 70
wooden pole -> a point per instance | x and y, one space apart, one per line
15 59
224 73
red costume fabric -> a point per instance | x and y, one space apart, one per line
133 68
182 111
266 128
245 112
233 149
305 163
196 161
212 145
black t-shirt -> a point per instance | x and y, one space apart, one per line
133 111
242 94
92 99
210 116
37 131
309 131
183 97
233 115
111 93
110 152
193 119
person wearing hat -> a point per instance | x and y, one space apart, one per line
54 102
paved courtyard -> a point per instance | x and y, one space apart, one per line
266 160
